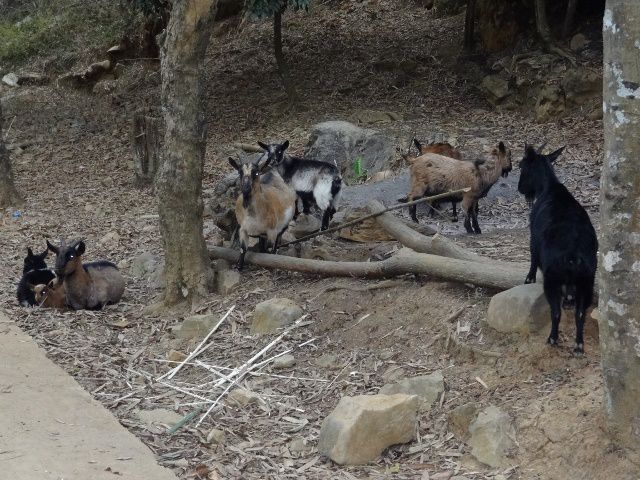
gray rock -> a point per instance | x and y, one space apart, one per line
582 86
242 396
550 103
496 88
299 445
196 326
328 360
10 79
392 374
227 281
522 309
492 437
360 428
461 417
160 416
341 143
427 387
285 361
111 238
216 437
149 267
304 225
273 314
578 42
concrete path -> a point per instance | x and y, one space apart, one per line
51 429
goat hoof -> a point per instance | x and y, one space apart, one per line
478 231
552 341
579 350
529 280
454 219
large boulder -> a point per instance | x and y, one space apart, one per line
492 437
342 143
582 86
550 104
521 309
496 89
273 314
427 387
361 427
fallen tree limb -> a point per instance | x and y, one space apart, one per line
406 261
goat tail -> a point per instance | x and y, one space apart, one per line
478 161
336 186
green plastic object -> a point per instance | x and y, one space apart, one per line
357 167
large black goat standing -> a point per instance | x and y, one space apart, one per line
563 241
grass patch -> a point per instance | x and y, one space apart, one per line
59 26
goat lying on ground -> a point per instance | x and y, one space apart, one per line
265 206
563 241
313 181
87 286
52 295
433 174
34 272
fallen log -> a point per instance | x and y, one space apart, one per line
499 277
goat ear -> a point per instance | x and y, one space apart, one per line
418 145
285 145
51 247
234 164
44 254
502 148
553 156
264 146
30 252
80 247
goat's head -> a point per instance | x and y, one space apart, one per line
34 261
275 151
67 257
503 155
249 173
535 169
41 291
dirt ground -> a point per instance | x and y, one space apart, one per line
75 172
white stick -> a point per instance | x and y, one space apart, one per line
170 374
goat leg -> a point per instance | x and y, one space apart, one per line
553 292
454 217
474 220
326 216
262 244
531 276
467 220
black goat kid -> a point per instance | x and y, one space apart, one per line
34 272
563 241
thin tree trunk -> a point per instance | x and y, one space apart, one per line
567 26
283 68
619 305
8 193
544 32
146 148
469 26
179 179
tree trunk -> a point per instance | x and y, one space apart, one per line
542 23
283 68
8 193
179 179
567 26
469 24
146 148
619 305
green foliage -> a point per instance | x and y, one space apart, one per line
267 8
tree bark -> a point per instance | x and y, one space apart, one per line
179 179
619 270
146 148
8 193
405 261
567 26
469 26
542 23
283 67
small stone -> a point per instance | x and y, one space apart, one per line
442 476
160 416
298 445
492 437
392 374
216 437
522 309
497 88
578 42
360 428
329 361
285 361
427 387
242 396
271 315
195 326
176 356
182 463
110 238
144 264
461 417
227 281
10 79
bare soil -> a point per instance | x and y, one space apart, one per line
75 174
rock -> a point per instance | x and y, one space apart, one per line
109 238
367 231
160 416
243 397
341 143
496 88
582 86
216 437
522 309
227 281
442 476
595 114
10 79
379 176
196 326
304 225
550 103
176 356
360 428
392 374
329 361
144 264
105 87
427 387
461 417
273 314
578 42
376 116
298 445
492 437
285 361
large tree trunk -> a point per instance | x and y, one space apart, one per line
620 235
8 193
283 68
567 25
179 179
469 25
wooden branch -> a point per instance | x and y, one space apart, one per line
373 215
248 147
405 261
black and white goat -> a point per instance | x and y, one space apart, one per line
34 272
314 181
563 241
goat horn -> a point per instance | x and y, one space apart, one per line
542 147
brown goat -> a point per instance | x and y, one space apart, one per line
440 148
87 286
433 174
52 295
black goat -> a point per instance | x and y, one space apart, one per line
34 272
563 241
